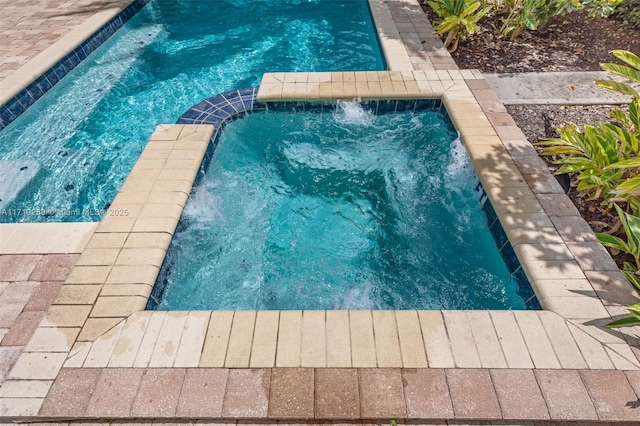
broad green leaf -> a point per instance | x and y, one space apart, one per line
624 322
620 116
631 186
612 241
628 58
616 86
623 71
634 113
633 279
625 164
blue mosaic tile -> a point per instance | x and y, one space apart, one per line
370 106
498 234
489 212
15 108
426 105
404 105
509 257
25 99
386 106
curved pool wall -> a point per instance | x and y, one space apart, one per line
223 108
19 103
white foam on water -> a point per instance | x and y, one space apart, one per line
351 112
202 207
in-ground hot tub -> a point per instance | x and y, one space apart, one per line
340 206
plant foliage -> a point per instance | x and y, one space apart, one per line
457 18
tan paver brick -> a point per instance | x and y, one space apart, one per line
192 342
131 337
114 392
240 339
158 392
66 316
386 339
472 394
52 339
289 339
381 393
166 347
338 339
486 340
291 393
81 294
314 342
149 339
215 345
96 327
464 350
103 347
519 395
25 388
37 366
363 350
540 348
265 340
117 306
247 394
88 275
20 407
592 350
513 346
436 341
202 393
336 393
411 341
565 348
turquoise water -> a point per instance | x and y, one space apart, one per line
87 132
342 210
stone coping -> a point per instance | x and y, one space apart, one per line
96 320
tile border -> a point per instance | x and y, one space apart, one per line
25 86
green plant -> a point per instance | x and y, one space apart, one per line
629 321
456 18
631 71
533 14
591 154
631 227
600 8
629 11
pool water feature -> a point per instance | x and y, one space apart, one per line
336 210
86 133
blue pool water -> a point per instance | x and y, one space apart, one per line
336 210
82 138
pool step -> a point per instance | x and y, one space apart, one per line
16 175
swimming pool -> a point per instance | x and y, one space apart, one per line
336 210
67 155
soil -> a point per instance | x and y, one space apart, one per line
574 42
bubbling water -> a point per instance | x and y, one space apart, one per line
357 211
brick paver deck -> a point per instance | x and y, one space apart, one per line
82 350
